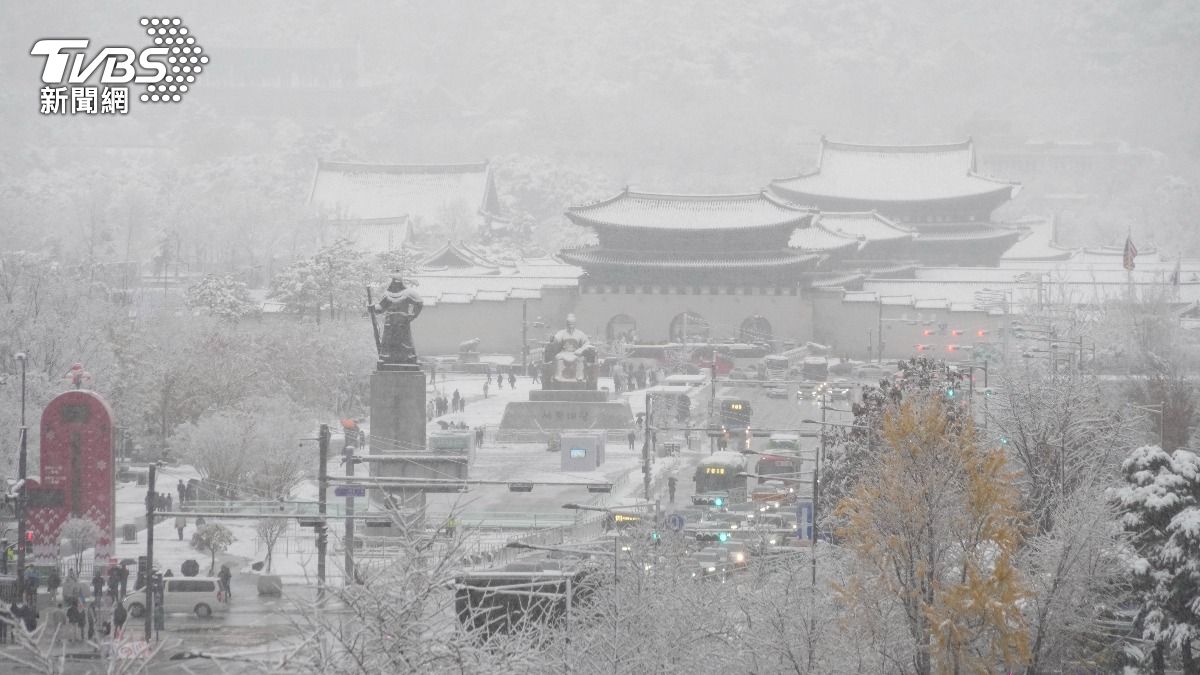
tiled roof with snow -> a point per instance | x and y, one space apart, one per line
866 225
428 194
526 280
821 238
906 173
750 260
689 212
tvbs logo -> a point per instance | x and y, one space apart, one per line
167 69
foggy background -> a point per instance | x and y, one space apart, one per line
573 101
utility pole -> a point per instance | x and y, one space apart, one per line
322 481
712 400
646 452
879 332
151 495
816 487
351 460
525 338
22 462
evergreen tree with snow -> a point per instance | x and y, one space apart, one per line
1160 510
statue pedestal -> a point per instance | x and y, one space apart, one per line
553 410
398 436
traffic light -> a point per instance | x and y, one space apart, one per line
981 333
949 392
951 348
1004 440
921 348
956 332
28 542
927 332
713 535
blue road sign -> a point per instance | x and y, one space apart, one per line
676 522
347 491
804 520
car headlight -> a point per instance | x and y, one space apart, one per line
740 557
712 569
772 542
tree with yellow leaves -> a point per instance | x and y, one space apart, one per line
935 525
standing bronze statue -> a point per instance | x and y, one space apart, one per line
400 306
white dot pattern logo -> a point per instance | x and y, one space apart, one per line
184 61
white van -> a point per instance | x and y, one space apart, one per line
182 595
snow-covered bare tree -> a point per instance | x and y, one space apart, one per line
79 535
251 446
269 530
1061 430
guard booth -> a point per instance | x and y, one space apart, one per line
582 450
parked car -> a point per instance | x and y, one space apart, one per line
182 595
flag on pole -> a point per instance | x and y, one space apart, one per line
1130 253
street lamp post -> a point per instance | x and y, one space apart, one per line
22 461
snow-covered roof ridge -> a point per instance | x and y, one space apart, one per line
456 254
903 173
429 193
818 237
689 211
863 225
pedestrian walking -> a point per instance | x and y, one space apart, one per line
31 585
225 575
169 502
512 380
671 489
91 616
53 581
28 614
499 380
455 398
118 620
114 581
485 387
97 585
75 619
57 622
180 523
632 436
182 490
70 587
123 577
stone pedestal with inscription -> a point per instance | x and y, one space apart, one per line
551 411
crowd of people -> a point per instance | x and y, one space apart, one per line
627 378
75 615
